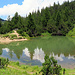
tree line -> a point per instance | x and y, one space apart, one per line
56 20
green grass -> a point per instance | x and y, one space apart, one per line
14 69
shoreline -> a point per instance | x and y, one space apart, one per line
7 40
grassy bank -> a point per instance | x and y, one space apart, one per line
14 68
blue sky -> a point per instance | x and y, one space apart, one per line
6 2
23 7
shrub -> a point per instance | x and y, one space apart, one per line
21 33
4 62
17 63
25 34
11 31
71 32
6 35
13 36
46 34
50 66
20 38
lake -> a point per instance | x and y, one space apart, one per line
32 52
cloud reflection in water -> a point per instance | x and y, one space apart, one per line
6 49
60 58
39 54
26 52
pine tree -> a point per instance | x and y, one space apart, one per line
31 26
50 66
58 18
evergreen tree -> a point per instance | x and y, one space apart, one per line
31 26
58 19
50 66
15 20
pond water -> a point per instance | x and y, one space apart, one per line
32 52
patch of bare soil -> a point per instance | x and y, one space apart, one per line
7 40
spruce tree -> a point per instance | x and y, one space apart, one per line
31 26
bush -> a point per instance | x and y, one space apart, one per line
11 31
17 63
46 34
4 62
71 32
50 66
6 35
21 33
13 36
20 38
25 34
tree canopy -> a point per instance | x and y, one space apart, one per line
56 20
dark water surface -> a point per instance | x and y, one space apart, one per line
32 52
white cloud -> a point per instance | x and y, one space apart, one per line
26 7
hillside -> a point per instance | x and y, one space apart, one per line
56 20
11 37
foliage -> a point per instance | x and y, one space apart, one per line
20 38
6 35
50 66
57 20
45 34
31 26
13 36
14 69
11 31
4 62
17 63
71 32
24 34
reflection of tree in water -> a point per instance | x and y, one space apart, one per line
18 53
1 46
31 55
1 51
58 45
10 53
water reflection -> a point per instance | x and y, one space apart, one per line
26 52
6 49
60 58
34 50
39 54
71 57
